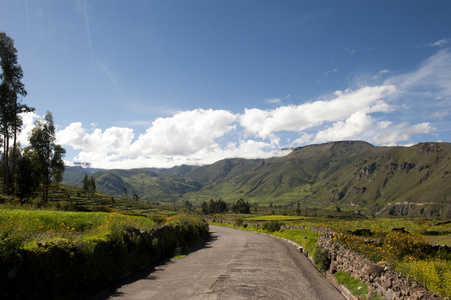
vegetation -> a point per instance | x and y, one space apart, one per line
241 206
355 286
214 207
341 176
322 259
11 109
48 156
89 185
400 243
42 251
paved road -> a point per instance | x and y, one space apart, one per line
234 264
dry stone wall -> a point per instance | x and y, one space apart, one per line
379 278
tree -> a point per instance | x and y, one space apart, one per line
241 206
49 156
135 197
10 108
204 208
188 206
27 179
89 185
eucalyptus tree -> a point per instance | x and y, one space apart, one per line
11 87
48 155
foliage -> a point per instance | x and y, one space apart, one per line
389 247
239 222
89 185
63 253
10 109
407 253
214 207
241 206
273 225
435 274
48 155
321 258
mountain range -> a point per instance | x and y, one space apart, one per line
414 181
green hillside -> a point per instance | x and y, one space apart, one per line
351 174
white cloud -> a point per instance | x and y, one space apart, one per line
184 133
439 43
187 137
263 123
274 100
351 128
28 120
433 77
112 140
393 135
204 136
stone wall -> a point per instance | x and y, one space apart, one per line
379 278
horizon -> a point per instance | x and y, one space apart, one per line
138 84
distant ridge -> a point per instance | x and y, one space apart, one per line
414 181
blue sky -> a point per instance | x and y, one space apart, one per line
160 83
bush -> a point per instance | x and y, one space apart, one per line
63 266
322 259
273 225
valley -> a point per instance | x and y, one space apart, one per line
352 175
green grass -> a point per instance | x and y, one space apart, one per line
304 237
355 286
274 217
38 226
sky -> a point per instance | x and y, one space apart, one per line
147 83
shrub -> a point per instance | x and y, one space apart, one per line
321 258
273 225
239 222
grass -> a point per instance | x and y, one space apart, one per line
405 252
30 227
355 286
304 237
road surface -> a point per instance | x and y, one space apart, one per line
234 264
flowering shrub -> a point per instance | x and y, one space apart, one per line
435 274
406 253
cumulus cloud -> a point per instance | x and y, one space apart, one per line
112 140
186 137
351 128
263 123
28 120
184 133
203 136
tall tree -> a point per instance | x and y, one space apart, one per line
10 107
89 185
49 155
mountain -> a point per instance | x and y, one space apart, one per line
382 180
